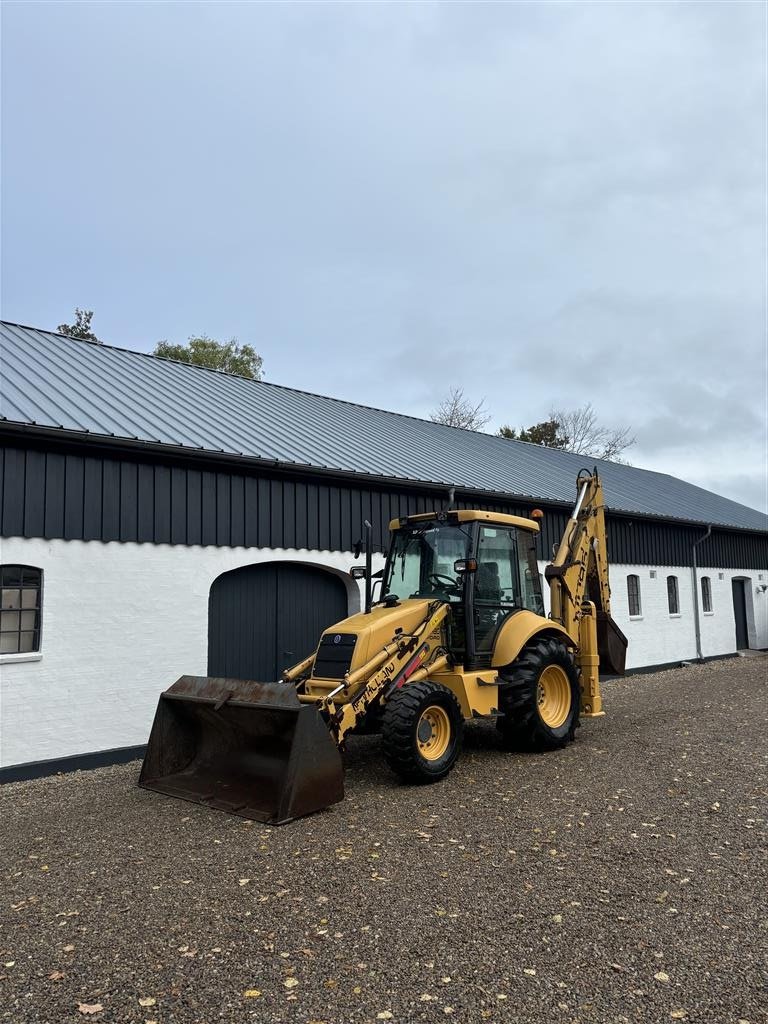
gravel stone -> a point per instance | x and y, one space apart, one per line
558 887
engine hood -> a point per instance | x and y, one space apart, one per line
377 628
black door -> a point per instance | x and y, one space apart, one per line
263 618
740 614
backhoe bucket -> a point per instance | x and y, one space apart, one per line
611 645
244 747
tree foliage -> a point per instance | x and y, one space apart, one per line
81 328
576 430
456 410
546 433
229 356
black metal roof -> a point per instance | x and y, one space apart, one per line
61 383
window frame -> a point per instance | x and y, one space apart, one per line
633 577
706 595
673 592
35 573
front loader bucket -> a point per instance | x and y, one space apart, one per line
244 747
611 645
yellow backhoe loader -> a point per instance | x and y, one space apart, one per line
458 632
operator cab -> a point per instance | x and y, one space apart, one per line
482 563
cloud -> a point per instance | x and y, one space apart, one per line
546 204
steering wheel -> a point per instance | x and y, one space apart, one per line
444 582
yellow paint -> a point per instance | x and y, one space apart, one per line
517 630
472 516
588 661
433 733
473 697
373 631
554 696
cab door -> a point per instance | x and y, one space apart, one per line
496 583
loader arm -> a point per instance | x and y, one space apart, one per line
408 658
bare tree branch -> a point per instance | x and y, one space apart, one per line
456 410
586 436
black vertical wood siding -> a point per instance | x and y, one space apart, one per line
98 497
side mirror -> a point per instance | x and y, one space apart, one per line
358 548
465 565
357 572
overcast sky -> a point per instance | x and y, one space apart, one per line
547 204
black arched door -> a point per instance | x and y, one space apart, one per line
263 618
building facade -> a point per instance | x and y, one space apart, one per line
130 558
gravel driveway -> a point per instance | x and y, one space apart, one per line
622 879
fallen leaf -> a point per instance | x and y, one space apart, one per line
291 982
385 1015
9 963
252 993
56 975
69 948
147 1001
330 983
678 1014
243 881
90 1007
528 970
661 976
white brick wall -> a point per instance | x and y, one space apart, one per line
122 621
657 637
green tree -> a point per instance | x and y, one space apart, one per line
229 356
81 328
547 433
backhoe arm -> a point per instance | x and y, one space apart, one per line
580 593
579 571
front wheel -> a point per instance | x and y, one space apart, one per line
540 697
421 732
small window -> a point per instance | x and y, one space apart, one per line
633 594
673 598
20 606
706 593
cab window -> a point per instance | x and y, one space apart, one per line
496 583
497 589
529 572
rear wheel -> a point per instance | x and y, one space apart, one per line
421 732
540 697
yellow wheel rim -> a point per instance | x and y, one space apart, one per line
433 733
554 696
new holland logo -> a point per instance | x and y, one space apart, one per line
337 639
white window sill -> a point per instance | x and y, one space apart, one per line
12 659
675 615
635 618
708 613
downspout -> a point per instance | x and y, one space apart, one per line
696 617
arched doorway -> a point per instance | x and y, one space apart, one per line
264 618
